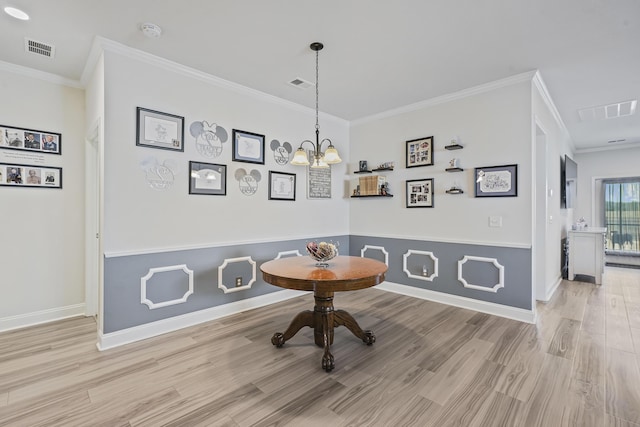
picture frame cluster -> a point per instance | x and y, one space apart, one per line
159 130
34 142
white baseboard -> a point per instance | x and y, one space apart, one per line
137 333
522 315
38 317
552 290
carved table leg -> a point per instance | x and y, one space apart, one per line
302 319
342 318
323 330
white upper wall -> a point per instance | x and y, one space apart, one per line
139 218
615 163
42 262
494 128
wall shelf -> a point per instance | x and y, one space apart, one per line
373 195
454 169
454 191
453 147
382 169
367 171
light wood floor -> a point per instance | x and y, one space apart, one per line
432 365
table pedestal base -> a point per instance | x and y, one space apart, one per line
323 319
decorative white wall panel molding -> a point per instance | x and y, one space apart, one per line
285 253
143 286
429 278
228 289
377 248
170 324
493 261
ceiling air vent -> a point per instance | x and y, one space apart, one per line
300 83
602 112
39 48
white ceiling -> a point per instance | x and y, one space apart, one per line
379 55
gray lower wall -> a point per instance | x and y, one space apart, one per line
517 268
122 275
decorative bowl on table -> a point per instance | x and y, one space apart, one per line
322 252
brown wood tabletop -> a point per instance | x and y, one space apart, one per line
344 273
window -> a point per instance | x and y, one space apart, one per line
622 215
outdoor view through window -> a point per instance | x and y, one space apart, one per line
622 215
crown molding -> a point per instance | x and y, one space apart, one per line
544 93
626 146
40 75
100 45
475 90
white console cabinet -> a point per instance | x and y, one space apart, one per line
586 253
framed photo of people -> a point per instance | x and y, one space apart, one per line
30 176
420 193
159 130
38 141
420 152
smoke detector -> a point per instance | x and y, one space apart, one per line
151 30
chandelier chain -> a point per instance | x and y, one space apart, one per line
317 90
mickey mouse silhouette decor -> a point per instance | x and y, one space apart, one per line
248 147
209 138
282 152
159 130
248 182
159 176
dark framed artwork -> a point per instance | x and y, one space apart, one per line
30 176
420 193
282 186
248 147
420 152
155 129
207 178
38 141
497 181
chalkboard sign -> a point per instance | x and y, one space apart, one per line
318 183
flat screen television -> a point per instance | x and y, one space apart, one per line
569 182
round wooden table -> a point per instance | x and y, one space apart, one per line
344 273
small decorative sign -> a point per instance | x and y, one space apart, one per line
248 182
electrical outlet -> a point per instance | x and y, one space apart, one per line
238 281
495 221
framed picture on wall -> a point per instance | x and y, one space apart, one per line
420 152
248 147
497 181
207 178
30 140
159 130
282 186
30 176
420 193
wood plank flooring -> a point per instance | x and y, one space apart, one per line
432 365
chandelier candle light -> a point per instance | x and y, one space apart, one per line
320 159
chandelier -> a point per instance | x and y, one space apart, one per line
320 159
